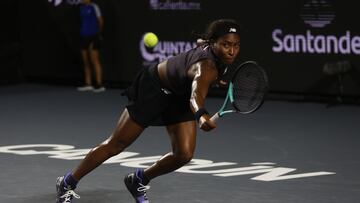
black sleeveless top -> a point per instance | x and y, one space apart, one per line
178 65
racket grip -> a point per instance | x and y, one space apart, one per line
215 117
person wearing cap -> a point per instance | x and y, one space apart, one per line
171 93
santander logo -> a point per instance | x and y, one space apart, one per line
316 14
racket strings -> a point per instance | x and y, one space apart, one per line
249 88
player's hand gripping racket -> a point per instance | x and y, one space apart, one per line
246 92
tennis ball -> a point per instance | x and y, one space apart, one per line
150 39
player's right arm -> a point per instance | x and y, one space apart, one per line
204 73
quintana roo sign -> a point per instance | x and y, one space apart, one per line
268 170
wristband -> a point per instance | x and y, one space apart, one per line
199 113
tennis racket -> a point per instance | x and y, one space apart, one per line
246 92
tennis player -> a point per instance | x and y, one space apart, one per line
172 94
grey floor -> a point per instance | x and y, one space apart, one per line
285 152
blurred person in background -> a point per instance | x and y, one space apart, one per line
90 34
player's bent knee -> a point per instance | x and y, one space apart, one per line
184 158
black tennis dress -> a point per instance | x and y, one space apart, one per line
150 104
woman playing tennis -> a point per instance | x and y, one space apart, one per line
171 94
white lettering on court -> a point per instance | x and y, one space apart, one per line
266 170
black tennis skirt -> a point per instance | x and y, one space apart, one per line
151 105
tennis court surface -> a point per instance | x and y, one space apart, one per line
284 152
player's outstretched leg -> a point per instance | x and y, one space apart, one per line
136 183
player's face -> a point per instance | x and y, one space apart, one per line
227 47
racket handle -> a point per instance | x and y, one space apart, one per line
215 117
